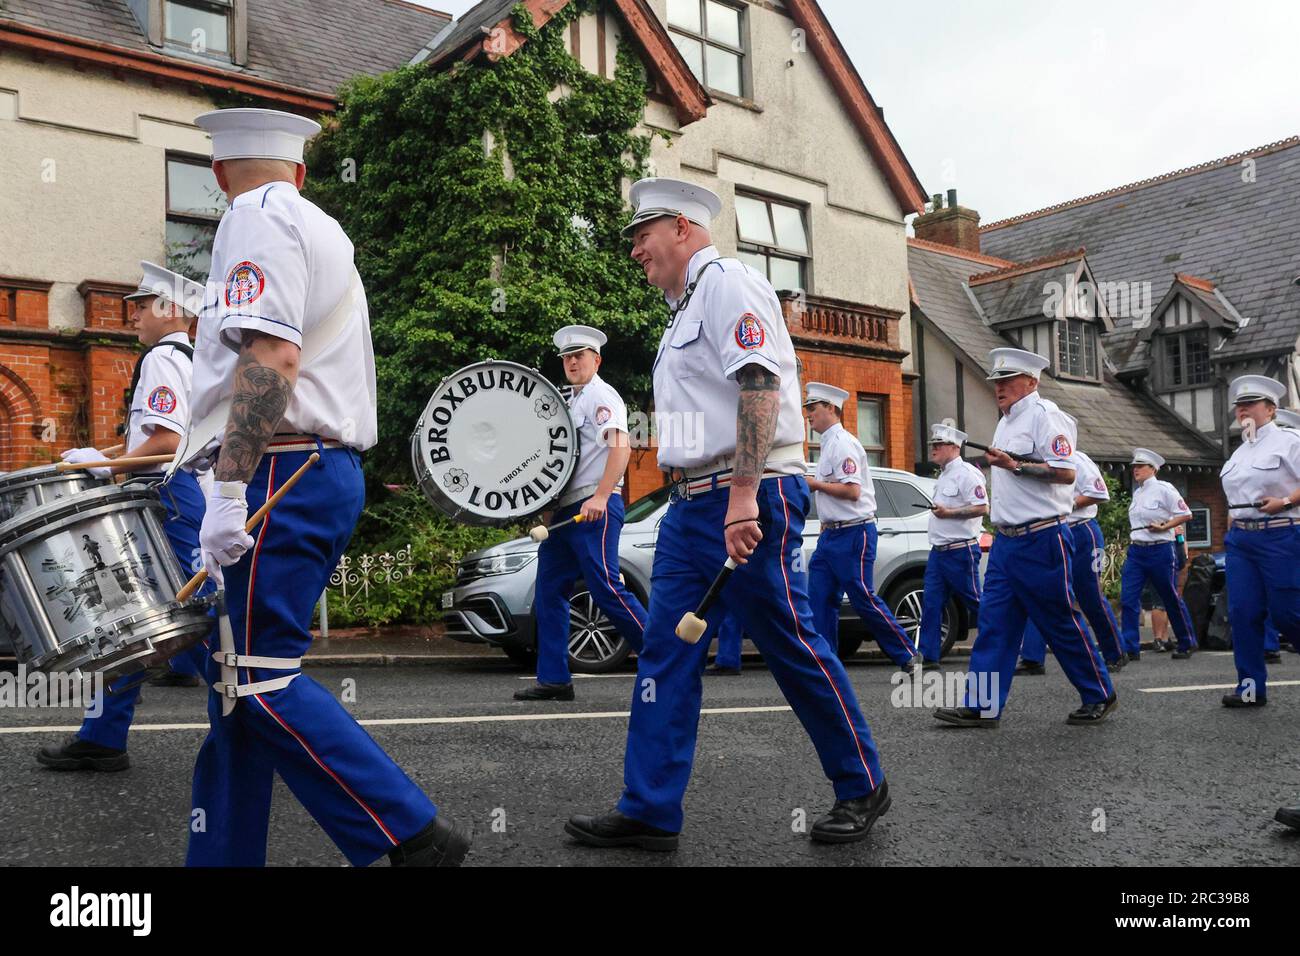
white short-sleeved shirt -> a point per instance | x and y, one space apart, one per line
1034 426
596 410
1268 467
843 460
1088 483
960 485
162 395
731 319
280 265
1154 501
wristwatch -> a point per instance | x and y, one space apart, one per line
1019 469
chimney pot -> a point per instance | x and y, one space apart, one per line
952 199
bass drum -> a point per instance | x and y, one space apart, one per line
495 444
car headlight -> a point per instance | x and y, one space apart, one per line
496 564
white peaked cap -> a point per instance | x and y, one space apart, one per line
575 338
821 392
1254 388
654 198
257 134
1145 456
1009 362
947 435
172 286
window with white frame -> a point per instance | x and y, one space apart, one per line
710 36
772 236
871 429
194 206
201 26
1076 348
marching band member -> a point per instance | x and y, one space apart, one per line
1290 420
284 367
726 363
1029 574
1156 510
158 402
956 520
846 546
1089 545
1263 544
726 662
588 549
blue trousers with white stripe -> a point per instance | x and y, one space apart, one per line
1029 578
590 552
1263 573
1154 563
955 571
359 796
184 502
1088 544
769 596
843 562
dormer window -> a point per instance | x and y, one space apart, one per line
201 26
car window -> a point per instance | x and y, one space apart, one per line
905 500
644 507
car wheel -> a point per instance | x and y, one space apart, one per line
906 601
523 657
595 646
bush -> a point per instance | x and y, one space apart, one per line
397 593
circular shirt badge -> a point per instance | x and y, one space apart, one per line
244 283
850 467
750 333
979 492
1099 484
1061 447
162 400
603 414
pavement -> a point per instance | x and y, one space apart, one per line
1171 779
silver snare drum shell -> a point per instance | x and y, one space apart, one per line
23 491
89 584
495 444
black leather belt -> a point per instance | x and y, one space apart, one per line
1038 524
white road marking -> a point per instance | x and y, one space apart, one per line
583 676
1175 690
411 721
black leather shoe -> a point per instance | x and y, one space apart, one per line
717 671
851 820
1236 700
1288 815
441 843
931 666
1134 658
1093 713
964 717
613 829
170 678
1272 657
546 692
1116 665
77 754
1031 668
1180 655
912 665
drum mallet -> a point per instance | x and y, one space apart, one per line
130 464
542 532
196 582
691 627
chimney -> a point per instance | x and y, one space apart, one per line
952 225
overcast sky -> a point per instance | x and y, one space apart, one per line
1020 104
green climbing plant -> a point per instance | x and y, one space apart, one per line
485 202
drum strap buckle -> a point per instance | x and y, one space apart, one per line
234 690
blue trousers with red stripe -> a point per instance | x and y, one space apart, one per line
1029 579
1088 544
185 506
1154 563
1263 581
769 596
843 562
590 552
359 796
955 571
730 637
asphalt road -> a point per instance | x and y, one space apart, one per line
1175 778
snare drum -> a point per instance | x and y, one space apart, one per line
21 491
495 444
89 584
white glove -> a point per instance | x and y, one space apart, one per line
77 456
222 537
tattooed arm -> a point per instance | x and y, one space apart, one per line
264 379
756 416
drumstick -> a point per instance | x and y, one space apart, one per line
112 450
1259 505
691 627
542 532
196 582
130 463
1027 459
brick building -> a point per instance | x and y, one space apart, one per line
102 166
